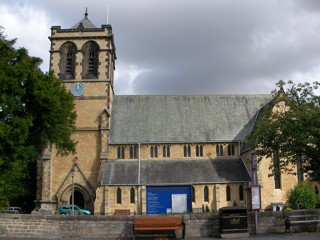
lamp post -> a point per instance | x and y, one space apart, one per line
72 200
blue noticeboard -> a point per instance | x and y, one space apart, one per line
159 199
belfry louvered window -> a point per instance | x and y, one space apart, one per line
68 61
90 61
69 64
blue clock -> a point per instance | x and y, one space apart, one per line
77 89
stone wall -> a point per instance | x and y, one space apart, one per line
120 227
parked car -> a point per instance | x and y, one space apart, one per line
15 210
67 209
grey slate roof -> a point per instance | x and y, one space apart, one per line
86 23
161 119
169 172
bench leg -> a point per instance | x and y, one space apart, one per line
184 231
287 224
184 234
133 233
288 227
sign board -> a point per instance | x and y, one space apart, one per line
254 161
255 197
159 199
179 203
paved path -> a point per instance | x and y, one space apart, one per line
283 236
277 236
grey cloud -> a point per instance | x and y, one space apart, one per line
205 46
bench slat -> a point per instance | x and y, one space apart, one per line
307 221
158 228
158 223
122 212
300 219
303 216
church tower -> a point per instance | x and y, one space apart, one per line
83 57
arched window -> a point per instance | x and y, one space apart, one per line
228 193
241 198
206 194
133 152
166 151
90 61
276 169
132 195
68 61
219 150
187 151
120 152
153 151
119 197
199 151
231 151
193 194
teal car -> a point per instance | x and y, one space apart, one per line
67 209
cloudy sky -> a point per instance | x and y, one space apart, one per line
186 47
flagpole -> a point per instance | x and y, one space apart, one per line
108 12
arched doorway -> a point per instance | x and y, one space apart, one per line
78 199
82 197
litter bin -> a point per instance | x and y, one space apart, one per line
233 222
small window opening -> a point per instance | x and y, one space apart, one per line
228 193
132 195
119 197
206 194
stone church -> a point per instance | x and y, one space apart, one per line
148 154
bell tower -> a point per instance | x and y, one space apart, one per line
83 57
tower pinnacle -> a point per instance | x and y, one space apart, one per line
86 14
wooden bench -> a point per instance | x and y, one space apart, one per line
122 212
146 226
297 218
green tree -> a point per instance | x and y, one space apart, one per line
302 196
35 111
288 129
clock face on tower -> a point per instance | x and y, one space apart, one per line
77 89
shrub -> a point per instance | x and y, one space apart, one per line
302 196
4 202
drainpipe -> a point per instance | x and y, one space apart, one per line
139 183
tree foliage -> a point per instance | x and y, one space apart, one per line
302 196
35 111
288 129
